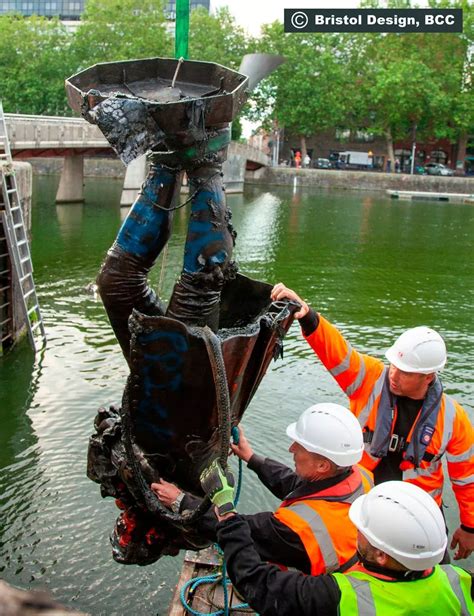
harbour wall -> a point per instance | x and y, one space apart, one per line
358 180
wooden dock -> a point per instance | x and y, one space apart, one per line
431 196
208 598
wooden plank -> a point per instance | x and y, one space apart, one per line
207 598
208 556
205 595
176 608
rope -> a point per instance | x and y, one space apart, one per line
172 209
216 577
235 437
209 579
202 183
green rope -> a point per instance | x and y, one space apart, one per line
181 29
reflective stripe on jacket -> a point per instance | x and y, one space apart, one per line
321 520
446 591
363 379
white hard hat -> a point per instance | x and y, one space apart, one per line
330 430
419 349
403 521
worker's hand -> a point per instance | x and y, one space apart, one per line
464 541
166 492
242 449
219 486
280 292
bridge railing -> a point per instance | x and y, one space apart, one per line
249 152
32 132
29 132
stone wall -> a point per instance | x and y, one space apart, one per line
23 173
358 180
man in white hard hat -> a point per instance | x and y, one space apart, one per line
408 422
401 539
310 530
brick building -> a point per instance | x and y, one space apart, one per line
329 143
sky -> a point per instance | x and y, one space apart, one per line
252 13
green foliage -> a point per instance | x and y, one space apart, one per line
236 130
35 58
217 38
113 30
421 79
385 82
311 89
37 54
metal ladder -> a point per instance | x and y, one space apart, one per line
16 239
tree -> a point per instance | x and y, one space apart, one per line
34 54
311 88
414 82
403 91
217 38
458 78
113 30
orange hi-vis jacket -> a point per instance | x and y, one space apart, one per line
441 427
321 520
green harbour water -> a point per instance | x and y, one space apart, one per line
371 265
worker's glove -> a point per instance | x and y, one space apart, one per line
219 486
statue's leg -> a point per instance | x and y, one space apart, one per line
122 280
207 253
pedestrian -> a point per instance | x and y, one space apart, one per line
397 165
307 161
298 159
409 423
310 530
401 539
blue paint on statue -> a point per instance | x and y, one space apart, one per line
146 225
204 243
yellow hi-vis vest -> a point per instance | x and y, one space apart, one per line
446 591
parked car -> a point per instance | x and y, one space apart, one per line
323 163
438 169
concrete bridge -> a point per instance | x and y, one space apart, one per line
75 139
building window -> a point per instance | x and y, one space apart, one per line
343 134
439 156
358 136
362 136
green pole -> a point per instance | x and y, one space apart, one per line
181 29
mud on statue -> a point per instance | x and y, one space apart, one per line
195 366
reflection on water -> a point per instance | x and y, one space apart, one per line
69 219
258 234
373 266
